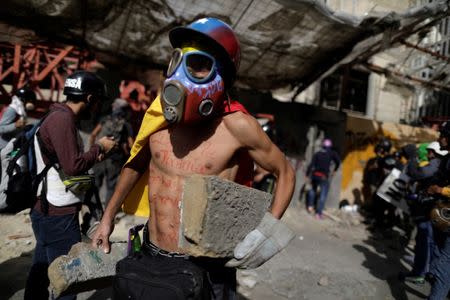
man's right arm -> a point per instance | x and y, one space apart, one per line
420 173
128 177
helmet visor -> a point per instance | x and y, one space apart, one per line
199 66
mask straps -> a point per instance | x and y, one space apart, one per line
228 101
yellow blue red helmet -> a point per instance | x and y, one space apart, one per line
216 37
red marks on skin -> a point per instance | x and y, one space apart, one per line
159 199
159 140
165 221
206 149
159 179
198 159
168 161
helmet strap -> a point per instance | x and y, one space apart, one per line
228 100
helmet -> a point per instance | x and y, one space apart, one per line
445 129
384 144
26 94
327 143
217 37
83 83
437 148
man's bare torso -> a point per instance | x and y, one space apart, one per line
177 152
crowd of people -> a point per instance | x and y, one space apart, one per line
425 168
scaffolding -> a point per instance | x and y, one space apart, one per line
41 67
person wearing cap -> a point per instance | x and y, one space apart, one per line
421 178
54 217
319 175
439 274
194 127
14 117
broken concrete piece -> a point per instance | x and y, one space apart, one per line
216 214
323 281
84 268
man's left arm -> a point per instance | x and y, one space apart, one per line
271 235
266 154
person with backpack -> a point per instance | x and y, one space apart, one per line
54 216
14 117
115 125
319 175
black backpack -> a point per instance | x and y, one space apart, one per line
18 176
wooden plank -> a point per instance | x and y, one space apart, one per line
55 72
37 61
16 65
7 72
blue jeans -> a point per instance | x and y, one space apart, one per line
423 249
55 235
440 266
323 183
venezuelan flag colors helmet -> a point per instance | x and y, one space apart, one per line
213 36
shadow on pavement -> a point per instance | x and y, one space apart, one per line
383 258
13 274
105 294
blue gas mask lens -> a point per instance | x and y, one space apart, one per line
199 66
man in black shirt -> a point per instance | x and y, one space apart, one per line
319 174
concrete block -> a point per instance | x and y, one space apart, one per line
216 214
84 268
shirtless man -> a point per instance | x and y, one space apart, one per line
205 136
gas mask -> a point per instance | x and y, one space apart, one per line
194 88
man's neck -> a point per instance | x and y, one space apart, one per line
76 107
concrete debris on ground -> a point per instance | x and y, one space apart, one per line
19 236
248 279
323 281
84 268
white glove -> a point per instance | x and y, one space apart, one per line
269 238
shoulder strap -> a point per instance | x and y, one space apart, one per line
53 158
42 176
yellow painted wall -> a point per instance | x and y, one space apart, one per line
361 136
